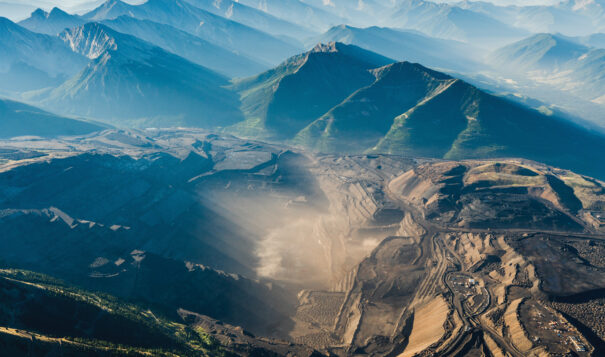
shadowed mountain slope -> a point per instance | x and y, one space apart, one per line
44 316
17 119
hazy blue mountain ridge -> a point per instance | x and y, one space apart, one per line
31 60
131 79
18 119
188 46
51 23
215 29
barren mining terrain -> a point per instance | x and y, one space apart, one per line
182 242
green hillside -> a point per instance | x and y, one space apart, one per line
281 102
340 99
364 117
463 122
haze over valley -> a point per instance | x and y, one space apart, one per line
302 178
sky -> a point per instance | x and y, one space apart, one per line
512 2
64 4
20 9
61 3
71 3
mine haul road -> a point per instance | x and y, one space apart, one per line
471 321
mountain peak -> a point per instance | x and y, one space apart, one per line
406 69
57 12
109 9
327 47
112 2
39 13
341 27
91 39
358 54
50 23
324 76
136 79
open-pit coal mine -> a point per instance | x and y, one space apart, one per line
182 242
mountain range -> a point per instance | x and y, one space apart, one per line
404 45
401 108
302 178
255 18
298 12
572 18
167 63
215 29
224 60
33 61
555 59
51 23
188 46
452 22
128 78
